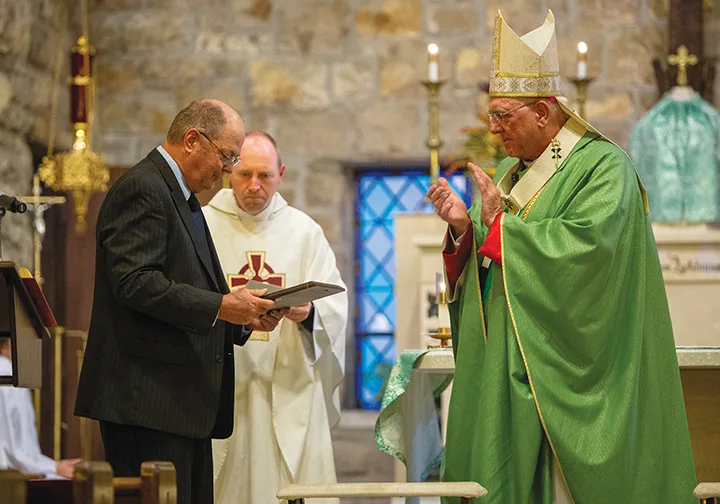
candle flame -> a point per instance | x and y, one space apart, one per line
582 48
433 49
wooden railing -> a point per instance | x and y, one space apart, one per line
93 483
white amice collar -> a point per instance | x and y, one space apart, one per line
276 203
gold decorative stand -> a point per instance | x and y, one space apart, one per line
433 142
81 171
582 93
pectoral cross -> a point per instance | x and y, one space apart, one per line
682 59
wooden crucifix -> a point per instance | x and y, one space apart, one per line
685 28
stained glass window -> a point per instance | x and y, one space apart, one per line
380 195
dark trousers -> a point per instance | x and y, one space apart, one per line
126 447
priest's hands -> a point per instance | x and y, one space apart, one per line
65 468
245 306
449 206
299 313
269 321
491 203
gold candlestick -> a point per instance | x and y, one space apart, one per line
443 333
433 142
582 92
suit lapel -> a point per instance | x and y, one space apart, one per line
222 282
184 210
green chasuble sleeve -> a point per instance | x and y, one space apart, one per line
574 367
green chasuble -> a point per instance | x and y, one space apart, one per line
575 358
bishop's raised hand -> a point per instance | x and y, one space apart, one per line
490 194
449 206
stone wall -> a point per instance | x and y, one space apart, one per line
30 35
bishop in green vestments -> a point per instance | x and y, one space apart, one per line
567 387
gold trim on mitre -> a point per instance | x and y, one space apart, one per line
527 65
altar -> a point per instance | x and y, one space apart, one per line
408 426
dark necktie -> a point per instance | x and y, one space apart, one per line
199 221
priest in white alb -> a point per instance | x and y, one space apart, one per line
286 382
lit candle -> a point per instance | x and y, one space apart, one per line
582 64
443 313
433 72
443 316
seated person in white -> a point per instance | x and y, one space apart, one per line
19 447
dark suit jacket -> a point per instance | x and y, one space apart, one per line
153 357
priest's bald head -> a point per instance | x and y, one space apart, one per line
257 176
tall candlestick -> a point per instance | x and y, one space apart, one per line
582 63
433 71
443 333
433 141
581 94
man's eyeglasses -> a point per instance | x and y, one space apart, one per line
227 160
499 116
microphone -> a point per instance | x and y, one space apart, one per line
12 204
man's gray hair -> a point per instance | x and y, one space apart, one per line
204 115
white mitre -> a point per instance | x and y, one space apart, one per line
528 66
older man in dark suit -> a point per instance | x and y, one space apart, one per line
158 371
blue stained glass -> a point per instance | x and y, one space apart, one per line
366 184
367 214
412 197
381 279
372 268
378 199
379 243
380 195
390 266
368 310
395 183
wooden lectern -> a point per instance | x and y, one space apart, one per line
24 315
